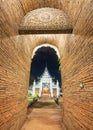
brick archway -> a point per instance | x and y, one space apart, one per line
76 52
15 60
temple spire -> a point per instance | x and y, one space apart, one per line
46 68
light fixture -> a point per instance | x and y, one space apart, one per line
81 85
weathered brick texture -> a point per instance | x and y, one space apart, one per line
77 66
14 76
76 52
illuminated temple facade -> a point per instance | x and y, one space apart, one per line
45 86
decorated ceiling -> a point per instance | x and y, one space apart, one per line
45 19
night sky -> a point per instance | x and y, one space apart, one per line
45 56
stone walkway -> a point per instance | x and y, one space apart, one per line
44 115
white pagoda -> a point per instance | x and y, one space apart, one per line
45 85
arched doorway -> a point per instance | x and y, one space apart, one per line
45 76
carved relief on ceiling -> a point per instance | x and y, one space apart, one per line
45 19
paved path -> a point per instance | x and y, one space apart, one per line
44 115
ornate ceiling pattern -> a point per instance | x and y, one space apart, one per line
45 19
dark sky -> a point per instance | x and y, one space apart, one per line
45 55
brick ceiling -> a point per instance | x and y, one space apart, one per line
79 12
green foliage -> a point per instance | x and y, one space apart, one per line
31 99
36 96
59 64
60 68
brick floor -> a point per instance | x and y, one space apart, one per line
44 115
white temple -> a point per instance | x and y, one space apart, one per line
45 86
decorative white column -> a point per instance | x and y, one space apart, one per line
40 92
34 84
51 89
57 88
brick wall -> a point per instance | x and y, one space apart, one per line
76 58
77 66
14 79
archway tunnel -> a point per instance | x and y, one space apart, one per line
76 56
45 70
